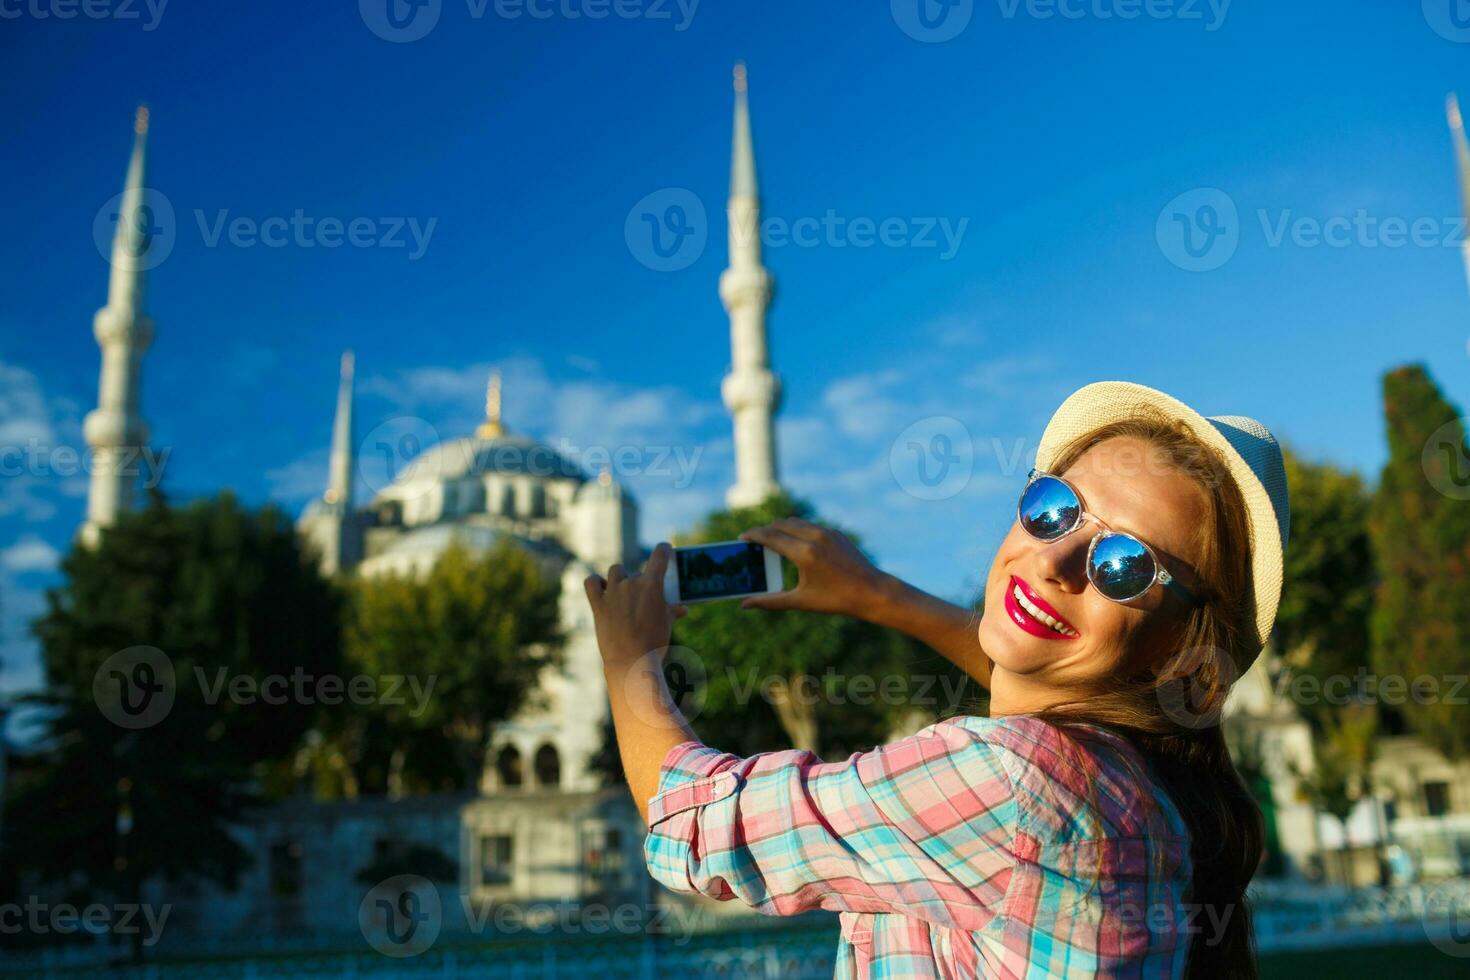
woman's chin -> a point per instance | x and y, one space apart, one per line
1010 649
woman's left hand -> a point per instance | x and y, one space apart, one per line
631 615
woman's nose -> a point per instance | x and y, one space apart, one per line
1064 562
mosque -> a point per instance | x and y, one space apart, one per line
542 823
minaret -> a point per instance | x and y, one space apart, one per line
114 429
333 524
339 471
1462 159
751 392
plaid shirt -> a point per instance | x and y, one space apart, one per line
995 847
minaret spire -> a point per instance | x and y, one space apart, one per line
330 524
339 475
114 429
492 428
742 147
751 392
1462 160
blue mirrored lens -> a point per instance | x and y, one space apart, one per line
1122 567
1049 508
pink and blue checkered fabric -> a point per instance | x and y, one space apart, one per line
976 847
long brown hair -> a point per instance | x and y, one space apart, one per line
1172 715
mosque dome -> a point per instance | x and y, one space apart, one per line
479 456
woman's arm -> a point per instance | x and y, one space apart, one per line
833 576
633 621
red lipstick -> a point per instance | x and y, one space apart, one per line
1025 620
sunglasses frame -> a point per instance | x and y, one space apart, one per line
1161 574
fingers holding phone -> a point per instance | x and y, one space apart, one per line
833 575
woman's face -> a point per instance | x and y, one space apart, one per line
1126 483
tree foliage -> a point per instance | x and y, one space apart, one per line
1327 592
224 594
479 628
1420 531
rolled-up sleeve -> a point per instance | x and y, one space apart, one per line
923 826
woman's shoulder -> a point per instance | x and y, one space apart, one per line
1064 771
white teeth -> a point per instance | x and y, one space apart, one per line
1037 614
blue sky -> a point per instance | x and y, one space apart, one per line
1056 144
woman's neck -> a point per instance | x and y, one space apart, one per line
1026 694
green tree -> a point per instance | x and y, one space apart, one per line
1420 531
1322 627
228 600
1327 592
478 628
830 684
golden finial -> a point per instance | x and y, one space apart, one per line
347 363
491 428
140 121
1452 108
740 76
604 477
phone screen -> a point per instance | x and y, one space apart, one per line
717 571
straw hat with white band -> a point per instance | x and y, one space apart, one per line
1251 454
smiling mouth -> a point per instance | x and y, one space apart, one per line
1028 613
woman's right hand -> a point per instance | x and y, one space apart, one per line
833 576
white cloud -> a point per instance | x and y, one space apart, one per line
301 479
29 554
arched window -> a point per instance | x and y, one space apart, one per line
548 766
508 766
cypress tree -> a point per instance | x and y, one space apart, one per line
1420 529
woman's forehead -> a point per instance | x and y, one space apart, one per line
1132 486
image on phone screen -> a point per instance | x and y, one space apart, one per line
721 570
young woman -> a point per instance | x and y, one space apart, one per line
1093 823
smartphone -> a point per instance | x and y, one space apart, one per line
724 570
